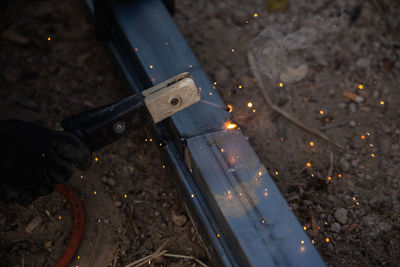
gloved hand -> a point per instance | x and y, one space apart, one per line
34 158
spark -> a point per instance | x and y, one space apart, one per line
151 140
280 84
368 133
302 241
276 173
329 178
360 86
233 50
265 192
82 176
249 104
192 195
302 248
218 235
43 155
59 217
136 49
304 228
282 139
327 240
357 203
362 137
259 173
222 150
151 66
255 15
96 159
230 126
190 66
312 143
308 164
340 175
321 112
48 38
262 221
372 155
125 195
215 83
230 108
163 166
382 102
240 86
78 257
371 145
312 241
95 192
254 110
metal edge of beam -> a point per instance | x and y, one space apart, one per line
221 231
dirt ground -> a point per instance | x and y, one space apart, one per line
308 53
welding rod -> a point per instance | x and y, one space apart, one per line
224 108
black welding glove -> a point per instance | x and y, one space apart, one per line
34 158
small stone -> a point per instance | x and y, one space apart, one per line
33 224
352 123
48 244
353 107
335 227
344 164
341 215
307 202
375 94
103 179
384 227
117 203
342 105
179 220
363 63
111 182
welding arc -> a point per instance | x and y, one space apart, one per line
77 231
224 108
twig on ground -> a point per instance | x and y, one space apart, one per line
161 252
283 112
334 125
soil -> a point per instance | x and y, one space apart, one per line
308 54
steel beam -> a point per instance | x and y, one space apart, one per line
232 200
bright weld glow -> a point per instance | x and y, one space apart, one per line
321 112
308 164
230 107
372 155
151 66
382 102
280 84
327 240
249 104
255 15
229 125
312 143
360 86
240 86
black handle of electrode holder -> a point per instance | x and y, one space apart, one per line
103 125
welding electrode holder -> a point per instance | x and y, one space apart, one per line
103 125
